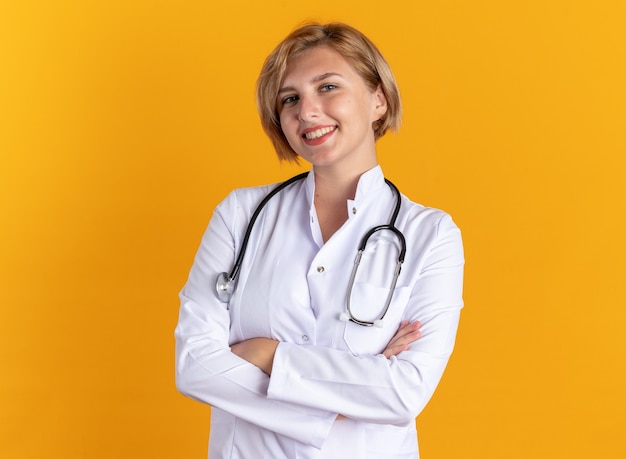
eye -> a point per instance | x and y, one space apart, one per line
328 87
289 100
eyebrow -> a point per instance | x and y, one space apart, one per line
314 80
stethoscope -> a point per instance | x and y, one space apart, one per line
225 282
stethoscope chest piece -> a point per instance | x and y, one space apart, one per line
224 286
346 317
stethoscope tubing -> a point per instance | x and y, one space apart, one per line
255 215
225 282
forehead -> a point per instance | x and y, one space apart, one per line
314 62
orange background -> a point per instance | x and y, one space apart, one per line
123 123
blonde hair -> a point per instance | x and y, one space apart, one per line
355 47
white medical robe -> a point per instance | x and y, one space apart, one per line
292 287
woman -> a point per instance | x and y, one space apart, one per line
285 364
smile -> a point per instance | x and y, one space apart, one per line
317 133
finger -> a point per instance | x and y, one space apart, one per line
395 350
406 339
406 327
405 330
401 342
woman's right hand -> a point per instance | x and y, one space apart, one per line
406 334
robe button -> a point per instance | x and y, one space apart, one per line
305 338
320 269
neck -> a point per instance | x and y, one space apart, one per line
332 190
334 185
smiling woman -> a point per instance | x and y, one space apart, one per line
327 116
282 359
355 49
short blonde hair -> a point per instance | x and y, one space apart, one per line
355 47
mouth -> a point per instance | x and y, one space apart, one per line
317 133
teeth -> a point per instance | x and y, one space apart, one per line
318 133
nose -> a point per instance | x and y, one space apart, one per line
308 108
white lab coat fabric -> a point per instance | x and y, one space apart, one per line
292 287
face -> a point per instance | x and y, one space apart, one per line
326 111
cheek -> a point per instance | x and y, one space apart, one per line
284 124
289 129
350 108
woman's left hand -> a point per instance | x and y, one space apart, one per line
406 334
257 351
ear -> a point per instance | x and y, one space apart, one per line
380 100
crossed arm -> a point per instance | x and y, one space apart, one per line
260 351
